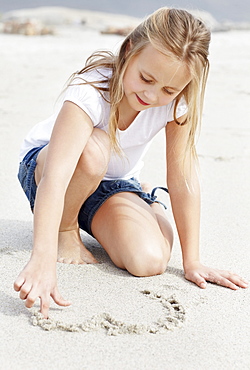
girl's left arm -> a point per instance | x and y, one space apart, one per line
184 191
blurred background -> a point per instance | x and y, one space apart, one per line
223 10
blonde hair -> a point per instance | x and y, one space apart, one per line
175 33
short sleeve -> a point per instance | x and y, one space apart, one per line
180 111
87 98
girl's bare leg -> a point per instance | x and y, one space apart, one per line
161 216
137 237
90 170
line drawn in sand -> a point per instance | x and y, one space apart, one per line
173 317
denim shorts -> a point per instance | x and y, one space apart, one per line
26 174
105 190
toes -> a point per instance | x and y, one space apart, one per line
88 258
70 261
67 261
77 262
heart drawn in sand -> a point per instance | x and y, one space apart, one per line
173 317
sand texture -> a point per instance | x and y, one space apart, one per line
117 321
174 317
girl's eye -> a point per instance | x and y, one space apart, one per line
144 79
166 91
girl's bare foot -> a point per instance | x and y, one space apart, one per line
71 248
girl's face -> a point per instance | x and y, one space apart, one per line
152 80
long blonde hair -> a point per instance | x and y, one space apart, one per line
175 33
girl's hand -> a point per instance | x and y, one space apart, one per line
199 274
38 280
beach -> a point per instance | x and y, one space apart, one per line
118 321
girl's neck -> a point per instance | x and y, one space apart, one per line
126 115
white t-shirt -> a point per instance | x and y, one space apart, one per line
134 141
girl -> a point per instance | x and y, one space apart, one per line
80 168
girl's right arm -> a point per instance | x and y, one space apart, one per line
69 137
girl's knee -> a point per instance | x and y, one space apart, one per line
148 264
95 157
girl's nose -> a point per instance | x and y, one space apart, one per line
151 95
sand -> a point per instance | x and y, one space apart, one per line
174 317
118 321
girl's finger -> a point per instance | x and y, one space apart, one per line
25 290
220 280
237 280
231 280
44 306
228 284
198 280
31 298
203 284
18 283
59 299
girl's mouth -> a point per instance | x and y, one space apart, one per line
141 101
